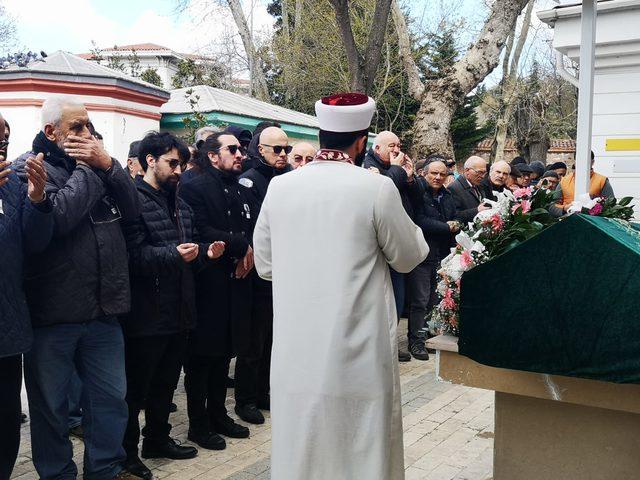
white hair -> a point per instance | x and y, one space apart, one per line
207 129
496 164
380 136
51 112
472 160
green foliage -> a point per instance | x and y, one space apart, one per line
612 208
151 75
191 73
465 131
196 119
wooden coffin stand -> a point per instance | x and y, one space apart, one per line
551 427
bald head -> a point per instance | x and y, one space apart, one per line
499 172
475 169
272 140
385 144
301 154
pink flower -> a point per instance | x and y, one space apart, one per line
448 303
522 192
497 224
466 259
596 210
524 206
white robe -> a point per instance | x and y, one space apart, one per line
326 236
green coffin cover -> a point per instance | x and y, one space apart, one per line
565 302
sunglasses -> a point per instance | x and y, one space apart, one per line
4 143
234 148
277 149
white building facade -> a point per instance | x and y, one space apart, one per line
121 108
616 100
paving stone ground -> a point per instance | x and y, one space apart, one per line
448 435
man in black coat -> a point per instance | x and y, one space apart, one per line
223 291
467 190
162 256
496 180
75 290
435 215
386 158
253 367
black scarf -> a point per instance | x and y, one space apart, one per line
52 153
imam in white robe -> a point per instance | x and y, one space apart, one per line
326 236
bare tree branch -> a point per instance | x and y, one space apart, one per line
416 87
373 53
257 76
298 14
343 18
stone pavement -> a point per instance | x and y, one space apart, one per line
448 435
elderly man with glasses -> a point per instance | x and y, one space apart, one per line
467 189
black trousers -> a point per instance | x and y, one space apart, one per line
10 412
252 372
153 368
421 290
205 382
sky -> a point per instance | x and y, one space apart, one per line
73 25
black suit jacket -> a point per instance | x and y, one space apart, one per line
465 199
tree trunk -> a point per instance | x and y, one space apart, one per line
431 127
258 81
362 68
441 98
298 13
510 85
416 87
285 20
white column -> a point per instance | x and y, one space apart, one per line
585 97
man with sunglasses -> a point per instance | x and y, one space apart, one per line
223 291
76 289
253 365
162 259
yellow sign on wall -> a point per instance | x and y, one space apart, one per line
622 144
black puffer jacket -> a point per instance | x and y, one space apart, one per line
83 274
162 284
25 227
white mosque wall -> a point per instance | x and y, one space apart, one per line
119 121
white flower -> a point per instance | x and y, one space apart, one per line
583 201
451 268
464 240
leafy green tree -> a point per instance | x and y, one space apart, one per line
151 75
209 73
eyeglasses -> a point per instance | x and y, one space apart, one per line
300 158
277 149
482 172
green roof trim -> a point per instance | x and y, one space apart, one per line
173 121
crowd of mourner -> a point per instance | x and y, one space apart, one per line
116 279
